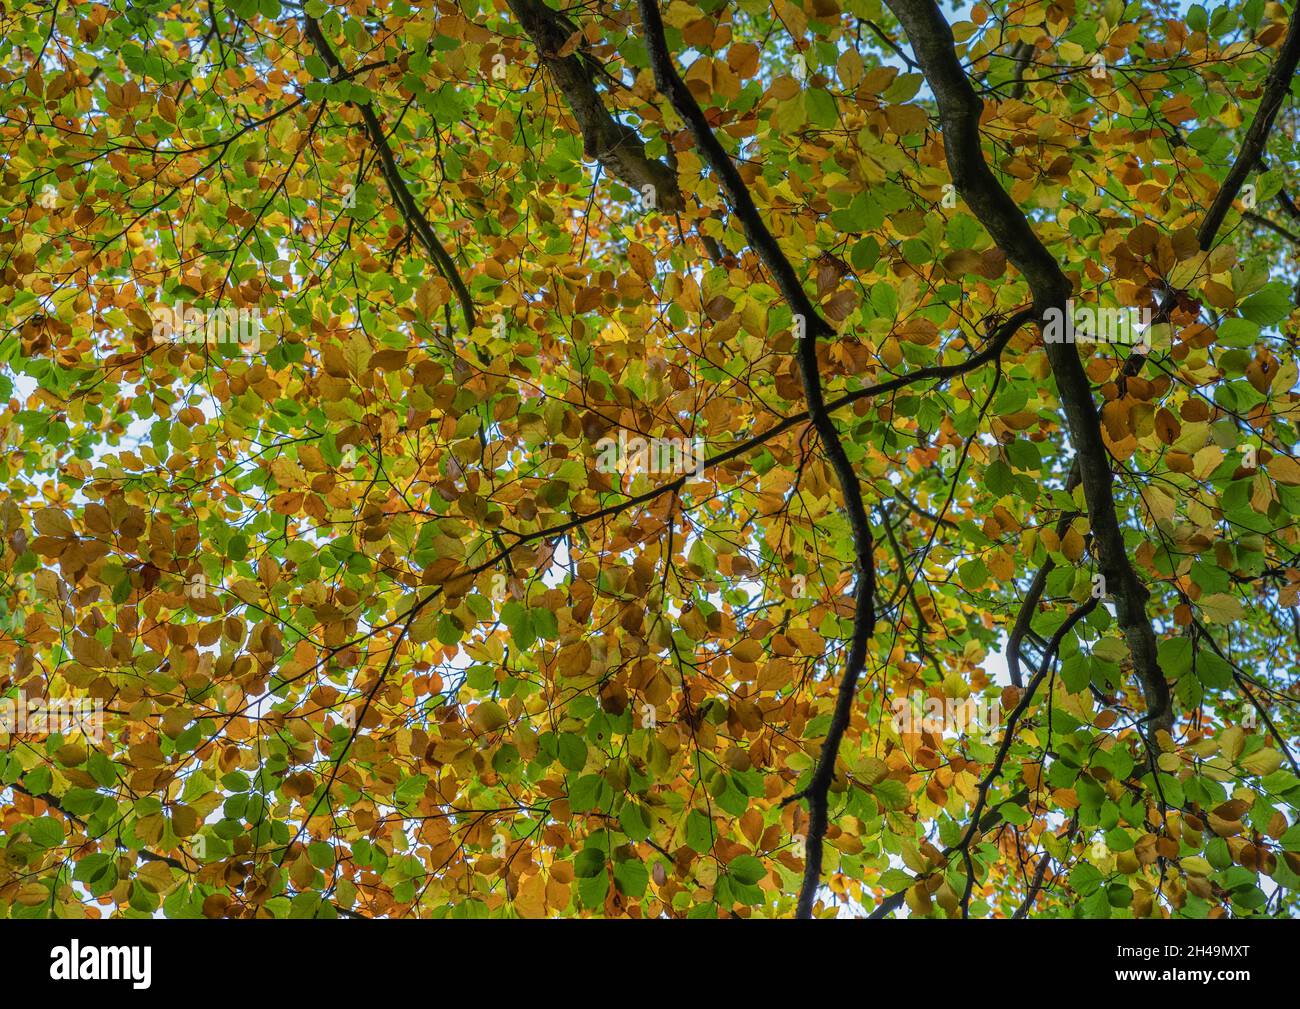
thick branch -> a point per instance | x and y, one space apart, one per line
1044 860
617 147
959 111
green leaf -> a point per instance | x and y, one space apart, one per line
1212 670
1268 306
45 831
573 751
632 878
634 822
699 831
820 109
747 869
584 794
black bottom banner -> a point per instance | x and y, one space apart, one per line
171 959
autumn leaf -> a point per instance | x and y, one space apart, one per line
521 462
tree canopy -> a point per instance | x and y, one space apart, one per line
751 458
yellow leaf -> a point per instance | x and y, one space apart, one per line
575 659
1263 761
1231 741
530 901
1221 608
488 716
1284 469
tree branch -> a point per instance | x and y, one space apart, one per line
959 111
1277 86
1049 656
617 147
406 202
1249 695
1030 604
671 84
1272 225
144 853
991 819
